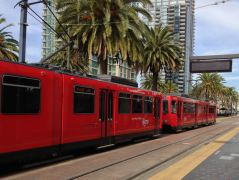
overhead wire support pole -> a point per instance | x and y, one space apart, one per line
23 31
23 26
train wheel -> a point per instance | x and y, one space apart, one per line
195 126
178 129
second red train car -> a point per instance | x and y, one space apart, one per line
181 112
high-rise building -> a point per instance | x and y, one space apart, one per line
49 39
179 15
49 44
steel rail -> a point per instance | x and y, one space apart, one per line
147 152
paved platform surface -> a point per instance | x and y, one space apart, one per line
217 160
223 164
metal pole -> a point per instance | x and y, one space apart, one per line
68 54
23 31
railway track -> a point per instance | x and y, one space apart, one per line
153 150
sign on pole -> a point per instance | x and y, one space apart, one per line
205 66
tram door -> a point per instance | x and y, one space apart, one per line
106 115
179 113
157 114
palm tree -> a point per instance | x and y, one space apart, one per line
210 86
170 87
229 98
105 28
164 87
76 63
8 45
147 83
161 52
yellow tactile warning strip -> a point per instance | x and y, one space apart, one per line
184 166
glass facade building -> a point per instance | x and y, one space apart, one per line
49 39
115 68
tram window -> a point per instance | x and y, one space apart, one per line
137 104
165 106
211 110
189 108
173 107
205 110
20 95
84 100
124 105
148 105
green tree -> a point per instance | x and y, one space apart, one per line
229 98
210 86
105 28
164 87
76 62
161 52
147 83
8 45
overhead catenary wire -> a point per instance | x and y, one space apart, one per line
213 4
35 18
46 4
92 24
46 23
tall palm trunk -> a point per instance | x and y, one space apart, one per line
103 61
103 66
155 81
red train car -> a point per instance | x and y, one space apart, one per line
46 113
212 113
180 112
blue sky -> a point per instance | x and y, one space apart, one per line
216 31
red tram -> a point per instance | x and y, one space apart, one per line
181 112
48 112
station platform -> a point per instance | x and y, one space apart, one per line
216 160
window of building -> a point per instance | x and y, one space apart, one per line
112 66
20 95
84 100
165 106
124 105
137 105
148 105
173 107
